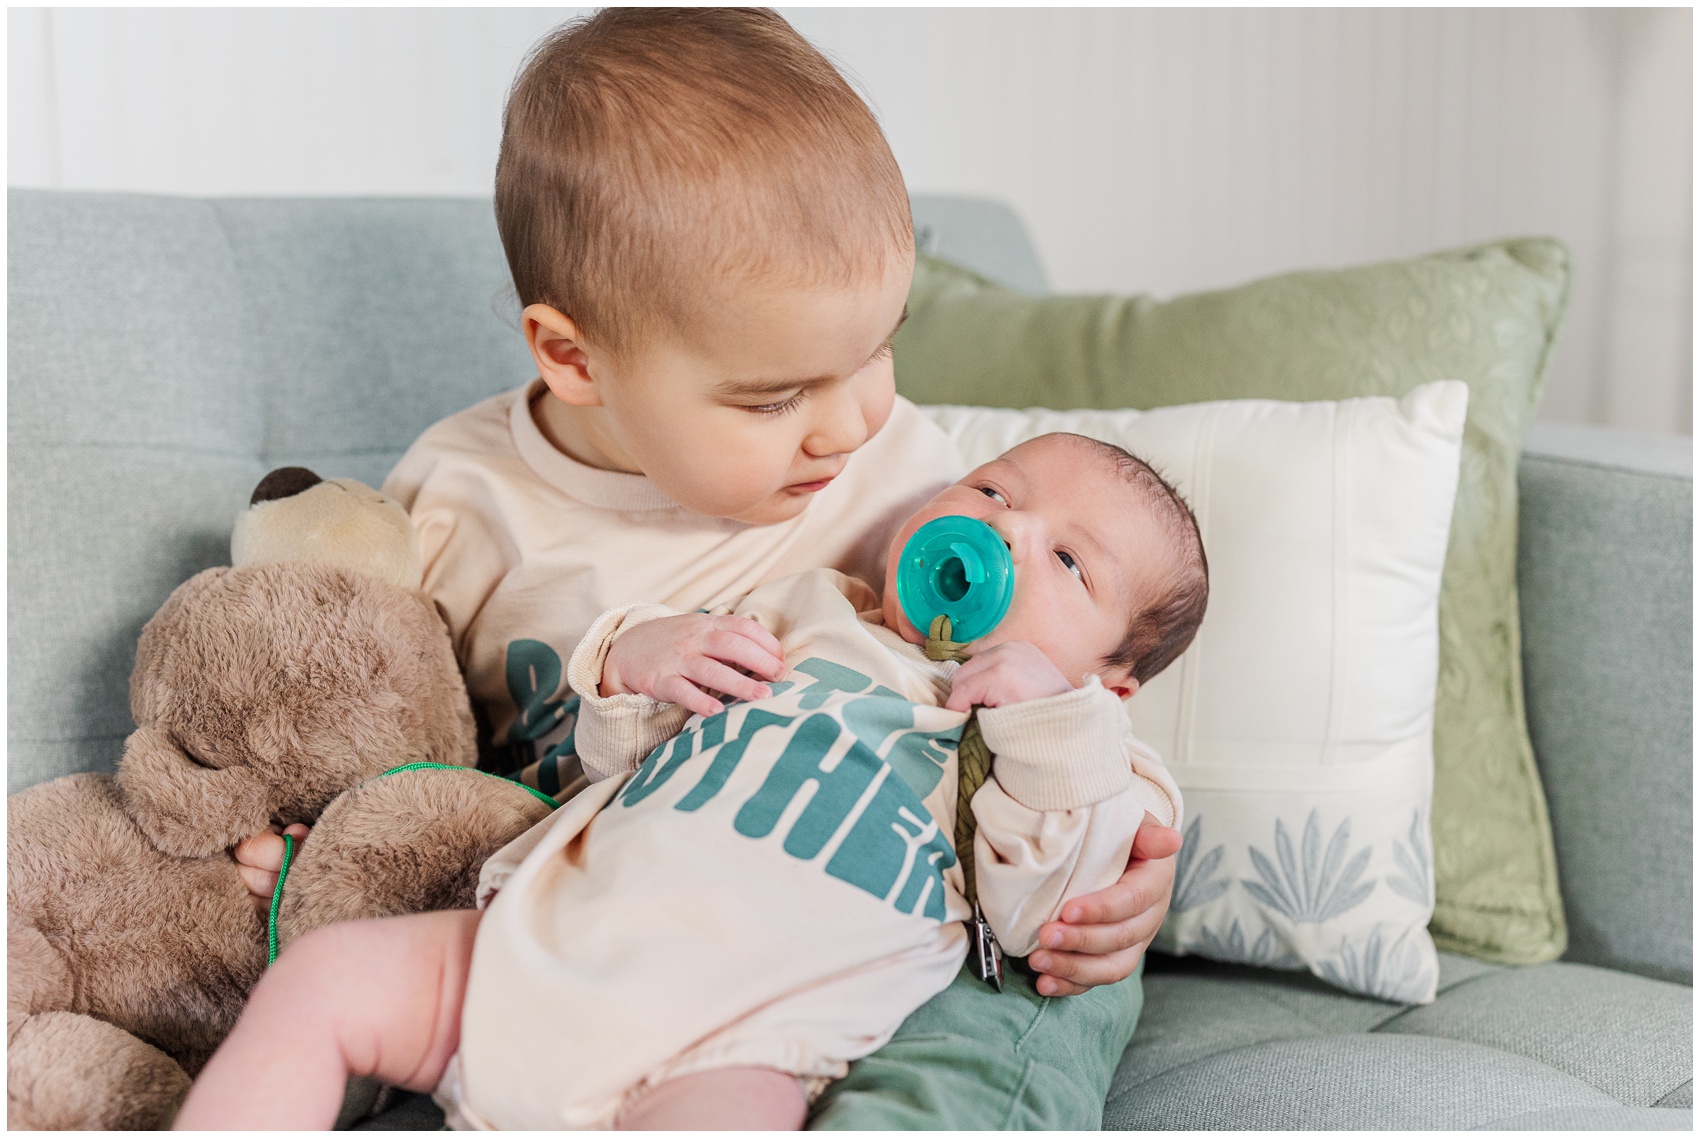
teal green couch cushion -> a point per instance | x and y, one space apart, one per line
1605 568
1222 1047
163 354
1486 315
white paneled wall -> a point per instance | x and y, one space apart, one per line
1163 150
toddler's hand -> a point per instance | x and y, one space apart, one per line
259 858
1013 672
679 659
1103 936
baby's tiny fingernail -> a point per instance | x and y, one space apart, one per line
1071 915
1054 939
1039 961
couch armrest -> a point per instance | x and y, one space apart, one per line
1605 573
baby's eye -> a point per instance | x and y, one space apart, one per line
994 495
1071 565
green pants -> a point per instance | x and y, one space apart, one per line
975 1059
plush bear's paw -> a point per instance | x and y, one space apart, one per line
66 1071
406 843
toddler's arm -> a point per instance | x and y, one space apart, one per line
642 670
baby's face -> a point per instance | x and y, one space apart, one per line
778 386
1086 545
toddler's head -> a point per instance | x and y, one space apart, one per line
1110 574
713 244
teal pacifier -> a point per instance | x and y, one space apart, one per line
958 568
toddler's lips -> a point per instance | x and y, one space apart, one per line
810 487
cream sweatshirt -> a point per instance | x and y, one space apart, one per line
775 885
523 546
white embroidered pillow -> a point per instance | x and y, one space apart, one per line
1300 723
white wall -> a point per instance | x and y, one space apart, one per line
1148 149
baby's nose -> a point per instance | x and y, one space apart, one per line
1010 526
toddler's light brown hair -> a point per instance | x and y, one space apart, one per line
651 156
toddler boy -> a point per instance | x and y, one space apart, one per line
623 975
712 244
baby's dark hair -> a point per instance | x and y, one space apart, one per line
1160 631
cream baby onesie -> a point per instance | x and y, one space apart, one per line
775 885
523 547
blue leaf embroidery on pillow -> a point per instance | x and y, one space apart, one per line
1320 887
1412 879
1233 949
1397 972
1194 886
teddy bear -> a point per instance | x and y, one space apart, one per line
277 690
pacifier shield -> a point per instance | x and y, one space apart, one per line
958 567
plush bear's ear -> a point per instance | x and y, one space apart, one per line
186 809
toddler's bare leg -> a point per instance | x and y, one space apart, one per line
375 998
726 1098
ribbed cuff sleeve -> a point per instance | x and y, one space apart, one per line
1063 752
615 733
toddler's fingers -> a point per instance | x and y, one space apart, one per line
1048 985
753 629
1081 970
259 884
1096 940
677 689
1155 840
718 677
734 648
262 851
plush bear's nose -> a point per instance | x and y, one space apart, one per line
284 482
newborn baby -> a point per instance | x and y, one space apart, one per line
762 886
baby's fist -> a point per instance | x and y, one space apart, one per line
1013 672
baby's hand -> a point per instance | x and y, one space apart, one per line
679 659
1013 672
259 858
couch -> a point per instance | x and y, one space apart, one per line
165 352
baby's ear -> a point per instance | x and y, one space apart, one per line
186 809
1120 681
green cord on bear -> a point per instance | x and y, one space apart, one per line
277 899
289 842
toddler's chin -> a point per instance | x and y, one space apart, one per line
780 507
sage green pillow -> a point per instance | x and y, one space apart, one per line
1486 315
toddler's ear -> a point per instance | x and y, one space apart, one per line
559 354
